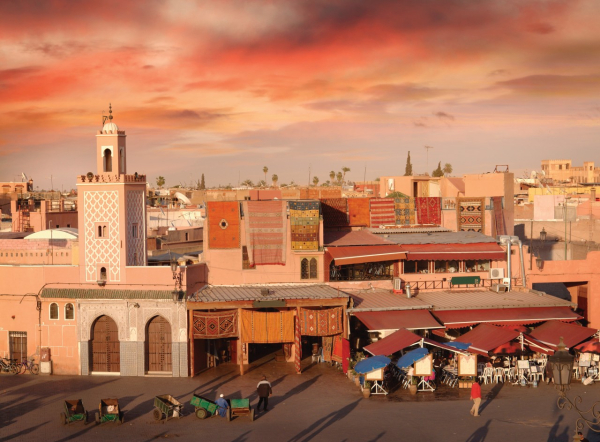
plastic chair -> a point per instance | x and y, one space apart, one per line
488 373
499 374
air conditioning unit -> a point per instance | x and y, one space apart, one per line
497 273
397 285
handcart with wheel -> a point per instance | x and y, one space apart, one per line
74 412
240 407
167 407
109 411
203 407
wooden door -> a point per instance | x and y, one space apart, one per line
106 348
158 345
18 346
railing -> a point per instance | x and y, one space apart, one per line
440 284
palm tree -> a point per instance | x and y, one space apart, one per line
265 170
275 178
261 183
345 169
316 181
332 175
339 177
248 183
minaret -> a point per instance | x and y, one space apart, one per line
112 212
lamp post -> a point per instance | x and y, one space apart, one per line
561 364
539 262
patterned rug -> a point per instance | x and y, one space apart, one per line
405 211
429 210
304 221
297 343
471 214
499 215
358 211
327 348
382 211
265 223
321 322
215 325
336 355
335 212
223 224
264 328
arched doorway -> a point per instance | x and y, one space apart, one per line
106 348
158 345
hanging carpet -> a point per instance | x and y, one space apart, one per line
471 214
405 211
336 356
223 224
297 343
304 224
324 322
429 210
327 348
215 325
382 211
498 215
267 328
358 211
265 223
335 212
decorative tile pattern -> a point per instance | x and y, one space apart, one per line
135 205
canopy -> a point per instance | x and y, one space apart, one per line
393 343
411 357
370 364
504 316
486 337
509 348
446 252
551 332
591 346
459 345
396 319
362 254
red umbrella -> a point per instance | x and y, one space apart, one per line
510 348
591 346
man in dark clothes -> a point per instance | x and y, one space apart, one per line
264 391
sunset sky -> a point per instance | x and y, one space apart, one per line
226 87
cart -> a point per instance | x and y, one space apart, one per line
203 407
109 411
74 412
240 407
167 407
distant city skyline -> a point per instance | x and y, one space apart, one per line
226 88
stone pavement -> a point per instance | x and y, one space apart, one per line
319 405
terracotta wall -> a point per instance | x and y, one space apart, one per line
37 252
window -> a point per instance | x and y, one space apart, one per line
361 272
54 310
416 266
68 225
107 160
446 267
18 345
134 230
187 236
69 311
477 266
135 259
304 269
58 226
313 268
102 273
101 230
308 268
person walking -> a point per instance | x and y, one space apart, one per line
476 398
264 391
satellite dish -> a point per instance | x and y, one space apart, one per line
90 176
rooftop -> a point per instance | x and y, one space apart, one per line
353 238
224 293
439 238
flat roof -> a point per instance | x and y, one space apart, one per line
225 293
337 238
438 238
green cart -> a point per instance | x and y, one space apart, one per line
204 407
109 411
167 407
74 412
240 407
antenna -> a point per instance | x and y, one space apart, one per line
427 150
109 116
309 175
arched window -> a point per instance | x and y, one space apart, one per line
107 160
313 268
54 310
69 311
103 274
304 269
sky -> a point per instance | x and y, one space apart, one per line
224 88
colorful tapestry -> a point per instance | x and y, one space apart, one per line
341 351
265 328
336 356
298 343
429 210
382 212
223 224
265 223
304 224
325 322
335 212
405 211
215 325
471 214
498 215
327 348
359 212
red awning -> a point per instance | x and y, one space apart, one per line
361 254
445 252
442 346
572 334
393 343
396 319
505 316
537 346
591 346
486 337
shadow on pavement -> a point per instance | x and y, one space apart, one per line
481 433
379 436
491 396
320 425
565 436
22 433
242 437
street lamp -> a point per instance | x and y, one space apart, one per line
561 364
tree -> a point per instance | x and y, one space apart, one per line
316 181
345 169
408 170
275 178
438 172
339 177
261 183
332 175
447 169
160 182
248 183
265 170
202 183
396 195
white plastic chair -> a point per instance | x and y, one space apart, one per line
499 375
488 373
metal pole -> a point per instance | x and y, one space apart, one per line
565 207
531 247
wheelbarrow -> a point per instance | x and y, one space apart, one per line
240 407
203 407
74 412
109 411
167 407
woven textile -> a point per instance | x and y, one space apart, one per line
324 322
471 214
265 223
223 224
405 211
429 210
327 348
335 212
265 328
359 211
298 343
215 325
336 356
304 222
382 211
499 215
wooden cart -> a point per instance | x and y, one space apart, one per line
109 411
203 407
74 412
167 407
240 407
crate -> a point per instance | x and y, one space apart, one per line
465 384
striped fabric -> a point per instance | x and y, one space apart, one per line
382 212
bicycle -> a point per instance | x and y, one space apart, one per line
28 364
9 366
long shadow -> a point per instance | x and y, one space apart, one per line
22 433
379 436
242 437
255 367
254 395
491 396
80 433
552 436
315 429
480 434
